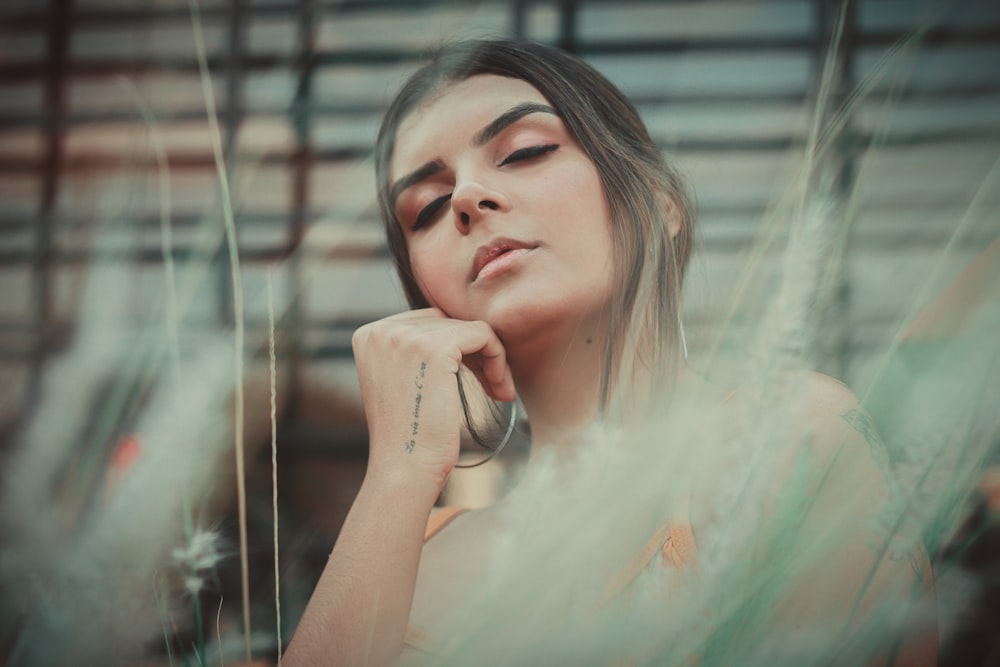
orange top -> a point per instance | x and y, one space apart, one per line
674 542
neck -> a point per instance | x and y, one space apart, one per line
560 388
559 385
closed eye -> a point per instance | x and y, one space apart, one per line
428 212
528 153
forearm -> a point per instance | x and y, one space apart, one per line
407 367
359 611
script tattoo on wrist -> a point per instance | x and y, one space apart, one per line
418 382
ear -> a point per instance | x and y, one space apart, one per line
671 213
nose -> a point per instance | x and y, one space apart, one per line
473 200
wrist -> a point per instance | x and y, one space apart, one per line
418 482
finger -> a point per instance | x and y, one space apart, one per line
484 343
498 391
426 314
505 391
478 340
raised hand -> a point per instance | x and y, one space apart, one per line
407 366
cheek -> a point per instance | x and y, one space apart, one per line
419 272
428 273
584 187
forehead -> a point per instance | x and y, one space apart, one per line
456 113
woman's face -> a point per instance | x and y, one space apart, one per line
503 213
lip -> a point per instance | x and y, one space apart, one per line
492 251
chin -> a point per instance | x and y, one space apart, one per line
530 320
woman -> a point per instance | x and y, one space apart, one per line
541 239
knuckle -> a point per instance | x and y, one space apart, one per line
360 336
395 338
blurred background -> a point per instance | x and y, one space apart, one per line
106 160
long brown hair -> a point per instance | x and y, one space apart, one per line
645 194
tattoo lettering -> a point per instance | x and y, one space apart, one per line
420 376
418 383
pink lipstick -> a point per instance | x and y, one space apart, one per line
496 256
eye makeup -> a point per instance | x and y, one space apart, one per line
428 212
483 136
528 153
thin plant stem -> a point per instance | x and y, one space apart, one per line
171 311
196 599
273 373
163 622
199 628
218 632
234 262
166 232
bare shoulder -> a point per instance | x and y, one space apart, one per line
823 400
830 417
872 557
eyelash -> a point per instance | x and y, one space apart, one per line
528 153
428 212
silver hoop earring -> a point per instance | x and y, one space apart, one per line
503 443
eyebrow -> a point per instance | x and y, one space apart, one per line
508 118
413 178
495 127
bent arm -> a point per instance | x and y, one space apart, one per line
407 367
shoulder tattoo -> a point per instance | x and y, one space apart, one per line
864 425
